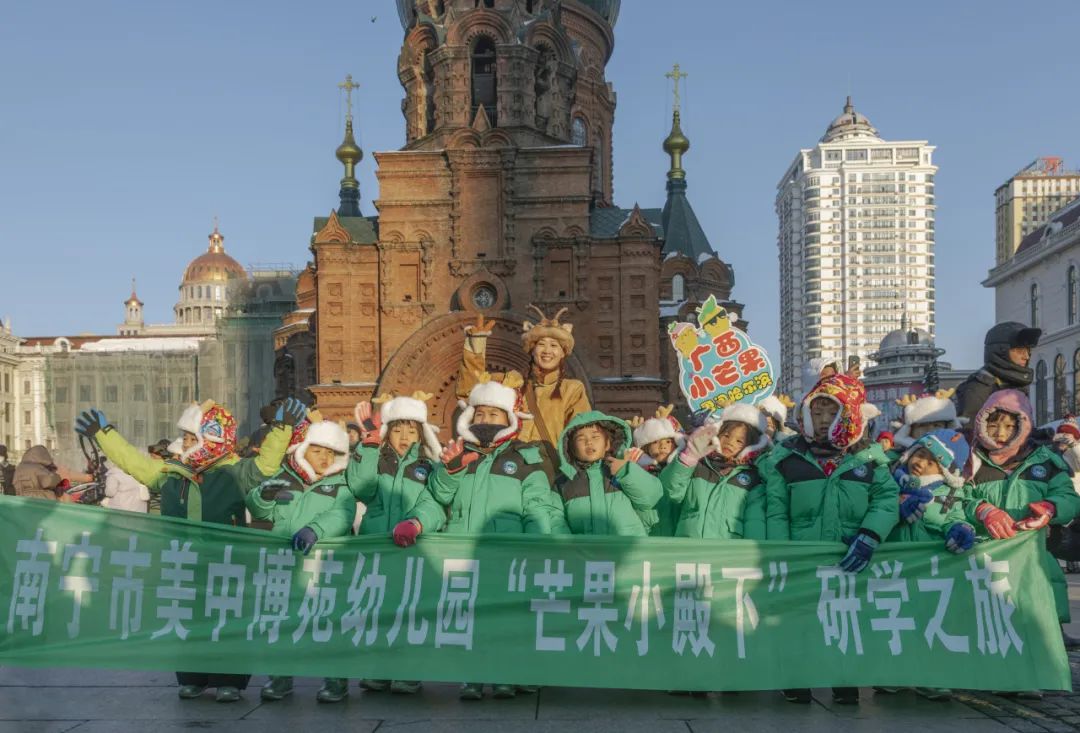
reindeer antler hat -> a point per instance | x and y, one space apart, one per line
548 328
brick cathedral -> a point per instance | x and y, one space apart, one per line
501 196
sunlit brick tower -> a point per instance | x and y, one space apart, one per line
500 197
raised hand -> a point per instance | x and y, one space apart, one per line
291 412
455 457
370 421
90 422
701 443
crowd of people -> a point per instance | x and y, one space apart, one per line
531 455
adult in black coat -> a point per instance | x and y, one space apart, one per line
1006 353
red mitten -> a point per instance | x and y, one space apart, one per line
1041 512
406 532
456 458
997 522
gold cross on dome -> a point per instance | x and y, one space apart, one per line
348 85
676 74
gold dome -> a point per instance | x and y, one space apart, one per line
213 266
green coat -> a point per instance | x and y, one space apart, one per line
214 495
393 489
712 505
503 492
936 522
1041 476
665 515
598 503
327 506
802 503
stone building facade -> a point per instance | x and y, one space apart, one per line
502 196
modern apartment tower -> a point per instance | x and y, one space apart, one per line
856 245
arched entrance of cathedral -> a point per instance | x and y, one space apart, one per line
430 358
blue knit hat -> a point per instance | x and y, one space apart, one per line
949 448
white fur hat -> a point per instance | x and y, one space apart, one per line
326 434
774 408
753 417
490 393
654 429
926 408
414 409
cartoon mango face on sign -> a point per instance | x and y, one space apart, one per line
683 337
713 318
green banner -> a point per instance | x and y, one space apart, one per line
86 587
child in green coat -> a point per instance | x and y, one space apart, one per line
831 484
713 484
307 501
397 453
1017 485
491 482
659 439
604 491
207 484
930 476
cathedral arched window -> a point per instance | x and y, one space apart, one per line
579 132
1076 383
598 177
678 288
1034 305
484 82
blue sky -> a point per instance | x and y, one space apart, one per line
125 127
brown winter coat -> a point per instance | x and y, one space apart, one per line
36 475
556 412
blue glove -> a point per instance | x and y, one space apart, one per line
960 538
860 550
290 412
914 503
304 540
90 422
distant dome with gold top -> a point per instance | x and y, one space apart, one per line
213 266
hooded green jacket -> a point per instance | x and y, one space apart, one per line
802 503
709 504
598 503
216 494
503 492
1041 476
327 505
394 488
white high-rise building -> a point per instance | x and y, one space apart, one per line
856 240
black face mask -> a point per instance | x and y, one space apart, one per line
485 432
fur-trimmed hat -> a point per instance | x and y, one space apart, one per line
214 429
413 408
848 425
1014 402
949 448
662 426
776 406
325 434
547 328
924 408
488 392
750 416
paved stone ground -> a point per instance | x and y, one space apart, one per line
59 701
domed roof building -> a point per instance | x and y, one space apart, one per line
905 359
204 289
850 124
